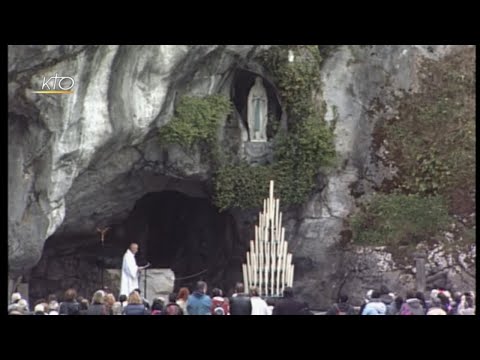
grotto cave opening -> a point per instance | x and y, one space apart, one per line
174 230
186 234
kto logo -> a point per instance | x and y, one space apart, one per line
57 85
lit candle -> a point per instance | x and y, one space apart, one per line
245 277
277 214
274 265
291 274
249 268
254 270
267 265
291 56
271 189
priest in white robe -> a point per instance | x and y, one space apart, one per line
130 271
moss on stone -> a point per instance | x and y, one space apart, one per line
196 120
432 143
298 153
398 219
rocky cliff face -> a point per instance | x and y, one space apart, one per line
82 159
76 159
362 84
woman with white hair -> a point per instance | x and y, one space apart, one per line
97 307
15 298
436 307
366 301
53 308
117 308
39 310
467 304
22 306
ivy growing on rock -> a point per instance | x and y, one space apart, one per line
399 219
432 144
298 80
297 159
299 153
196 121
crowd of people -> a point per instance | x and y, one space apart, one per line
384 302
200 302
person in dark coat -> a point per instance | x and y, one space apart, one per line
289 305
395 306
386 296
83 307
172 307
342 307
70 306
240 303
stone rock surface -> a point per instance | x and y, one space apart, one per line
355 80
76 161
55 273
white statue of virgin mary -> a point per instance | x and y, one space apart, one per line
257 112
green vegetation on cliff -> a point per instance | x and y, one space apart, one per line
299 153
432 143
196 121
297 157
398 219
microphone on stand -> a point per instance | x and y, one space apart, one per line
145 280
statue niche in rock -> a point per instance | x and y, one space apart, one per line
257 112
